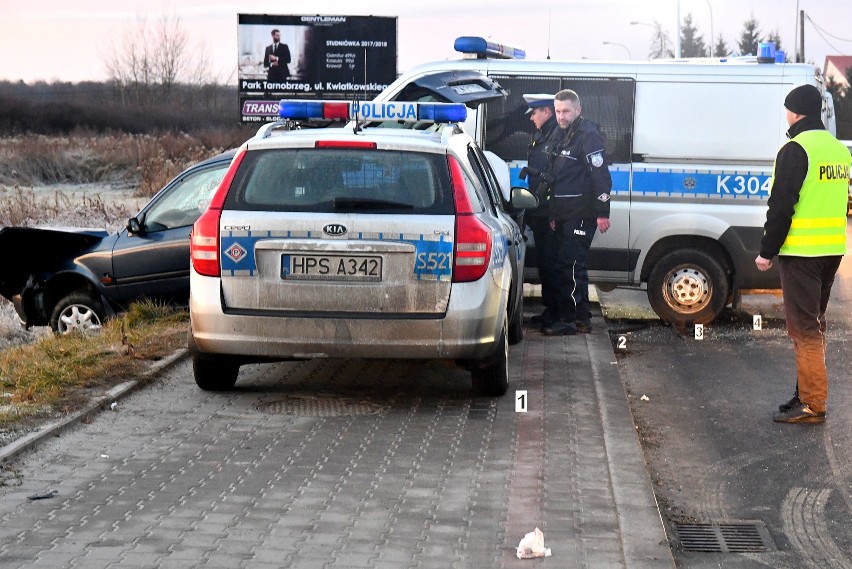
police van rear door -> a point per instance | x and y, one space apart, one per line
463 86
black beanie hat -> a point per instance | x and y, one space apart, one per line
804 100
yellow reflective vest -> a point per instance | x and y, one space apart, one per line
819 221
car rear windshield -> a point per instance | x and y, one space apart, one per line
342 180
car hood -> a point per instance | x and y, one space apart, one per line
31 249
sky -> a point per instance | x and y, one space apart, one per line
66 40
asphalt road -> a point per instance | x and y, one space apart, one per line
704 413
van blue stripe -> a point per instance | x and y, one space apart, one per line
680 183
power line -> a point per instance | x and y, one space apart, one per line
819 31
808 16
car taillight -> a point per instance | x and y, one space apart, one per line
204 239
204 243
472 249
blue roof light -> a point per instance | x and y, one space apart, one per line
396 111
442 112
483 48
290 109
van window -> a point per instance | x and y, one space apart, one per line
608 102
733 125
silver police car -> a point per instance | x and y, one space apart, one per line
360 242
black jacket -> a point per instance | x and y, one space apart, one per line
581 179
791 168
279 72
538 159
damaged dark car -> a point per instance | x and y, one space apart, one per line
73 279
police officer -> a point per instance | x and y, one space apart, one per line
578 205
806 227
542 115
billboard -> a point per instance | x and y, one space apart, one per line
312 57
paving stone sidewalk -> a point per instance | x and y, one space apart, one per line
346 464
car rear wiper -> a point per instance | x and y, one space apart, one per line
368 203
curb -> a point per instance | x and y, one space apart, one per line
643 533
98 404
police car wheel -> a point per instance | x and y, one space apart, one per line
688 286
492 380
77 312
212 373
516 328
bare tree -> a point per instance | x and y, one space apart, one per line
128 62
661 45
170 57
146 64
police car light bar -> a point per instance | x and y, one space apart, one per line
372 111
483 48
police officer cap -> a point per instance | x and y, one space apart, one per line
535 100
804 100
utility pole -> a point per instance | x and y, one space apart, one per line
801 57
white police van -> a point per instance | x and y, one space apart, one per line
691 146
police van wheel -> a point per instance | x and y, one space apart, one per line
492 380
688 286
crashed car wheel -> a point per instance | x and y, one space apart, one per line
78 311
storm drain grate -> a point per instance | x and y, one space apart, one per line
739 537
320 406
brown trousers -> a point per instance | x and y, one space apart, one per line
806 285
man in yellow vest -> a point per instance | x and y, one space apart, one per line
806 227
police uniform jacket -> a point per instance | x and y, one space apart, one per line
791 169
538 159
581 179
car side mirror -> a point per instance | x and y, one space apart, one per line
135 226
522 198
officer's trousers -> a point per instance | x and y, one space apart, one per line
806 286
545 250
573 241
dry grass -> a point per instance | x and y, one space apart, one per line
42 374
146 162
54 374
26 207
